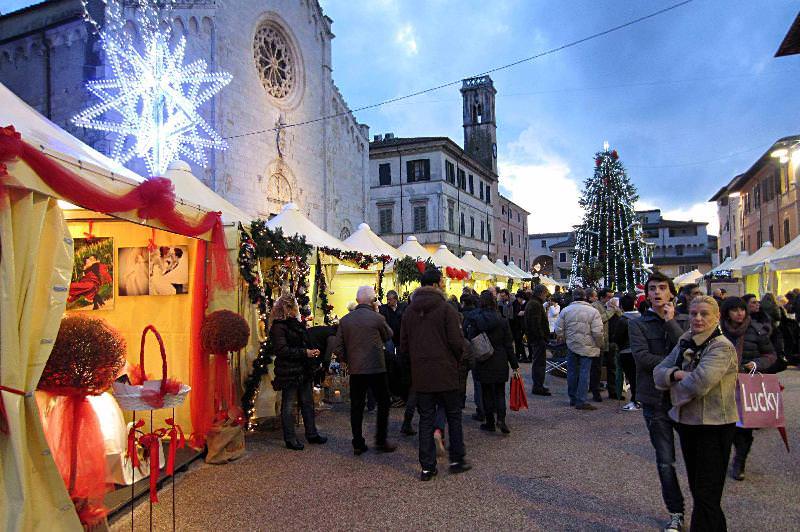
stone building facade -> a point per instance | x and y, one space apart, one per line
541 254
511 223
279 54
433 189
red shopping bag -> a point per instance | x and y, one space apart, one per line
759 400
518 400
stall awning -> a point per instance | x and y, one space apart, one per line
510 273
519 271
788 257
693 276
366 241
443 258
724 265
292 222
755 262
412 248
477 266
76 157
498 272
189 187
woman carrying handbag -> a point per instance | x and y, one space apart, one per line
493 373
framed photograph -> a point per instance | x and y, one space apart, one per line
134 271
92 285
169 271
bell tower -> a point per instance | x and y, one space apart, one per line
480 128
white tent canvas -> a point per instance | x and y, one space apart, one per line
735 265
479 269
498 272
693 276
516 269
443 258
293 222
788 257
189 187
509 272
365 240
755 262
412 248
724 265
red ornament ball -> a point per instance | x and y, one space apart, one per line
87 357
614 155
224 331
598 161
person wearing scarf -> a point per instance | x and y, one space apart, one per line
700 375
754 352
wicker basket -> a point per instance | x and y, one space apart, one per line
130 397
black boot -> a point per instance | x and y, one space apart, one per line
737 469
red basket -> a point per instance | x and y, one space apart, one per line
152 394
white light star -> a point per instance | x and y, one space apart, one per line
152 100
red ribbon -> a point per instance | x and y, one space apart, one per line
151 199
151 244
89 235
176 441
133 454
3 414
152 441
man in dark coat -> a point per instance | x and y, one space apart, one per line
361 335
538 330
431 335
392 312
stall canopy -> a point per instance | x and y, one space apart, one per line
788 257
509 272
366 241
443 258
73 155
479 269
549 282
683 279
733 266
519 271
292 222
753 263
412 248
190 188
498 272
724 265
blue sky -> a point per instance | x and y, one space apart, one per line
689 99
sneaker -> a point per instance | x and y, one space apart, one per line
427 475
459 467
585 406
439 439
675 523
632 407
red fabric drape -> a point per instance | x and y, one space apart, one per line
152 199
223 390
76 442
200 402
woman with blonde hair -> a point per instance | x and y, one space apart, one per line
294 370
700 374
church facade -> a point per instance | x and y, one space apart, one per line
279 55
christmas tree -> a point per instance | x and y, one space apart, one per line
610 249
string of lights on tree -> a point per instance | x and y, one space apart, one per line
151 101
610 246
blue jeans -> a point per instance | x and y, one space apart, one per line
660 427
578 368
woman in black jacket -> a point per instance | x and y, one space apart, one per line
751 340
493 372
294 370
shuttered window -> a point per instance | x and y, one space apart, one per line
420 218
385 174
418 170
386 220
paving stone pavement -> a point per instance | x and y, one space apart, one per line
559 469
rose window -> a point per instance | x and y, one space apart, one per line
275 61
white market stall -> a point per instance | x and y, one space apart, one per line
691 277
783 267
752 270
412 248
348 279
725 275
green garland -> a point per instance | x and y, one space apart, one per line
263 243
322 291
362 260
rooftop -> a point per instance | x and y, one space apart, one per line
791 42
386 144
568 243
538 236
684 259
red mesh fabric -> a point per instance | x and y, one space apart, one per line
223 392
200 400
76 442
152 199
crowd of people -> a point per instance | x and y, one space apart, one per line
678 354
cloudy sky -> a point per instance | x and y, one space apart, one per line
689 98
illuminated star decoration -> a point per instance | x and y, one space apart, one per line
152 100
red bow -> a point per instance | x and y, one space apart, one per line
89 236
152 442
176 441
151 244
133 455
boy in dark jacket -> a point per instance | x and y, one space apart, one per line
652 337
538 330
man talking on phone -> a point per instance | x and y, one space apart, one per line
652 337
